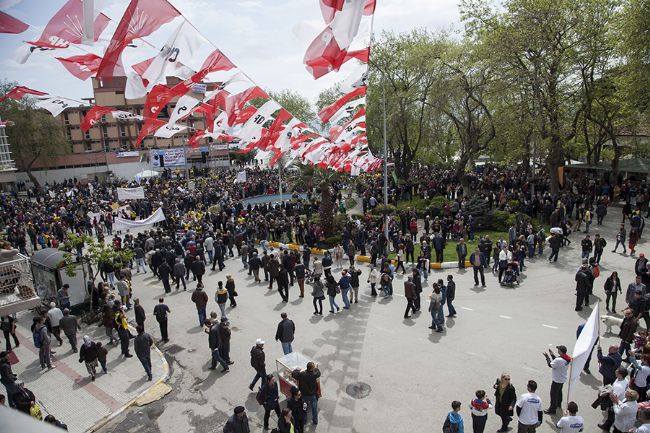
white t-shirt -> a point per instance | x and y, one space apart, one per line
645 428
559 370
571 424
619 387
530 405
625 415
208 243
55 316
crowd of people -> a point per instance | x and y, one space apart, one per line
213 224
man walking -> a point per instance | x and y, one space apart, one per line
599 247
43 342
179 273
620 239
142 345
555 242
308 385
69 325
461 251
559 366
55 315
587 246
200 299
258 362
451 295
213 342
140 315
529 409
160 311
238 422
224 340
285 333
477 259
409 293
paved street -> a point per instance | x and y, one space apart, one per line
413 373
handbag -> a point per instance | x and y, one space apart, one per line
338 289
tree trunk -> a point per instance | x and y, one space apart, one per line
617 157
37 184
459 172
326 210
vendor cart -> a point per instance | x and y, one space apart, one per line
285 366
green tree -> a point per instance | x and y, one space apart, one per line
33 133
323 181
297 105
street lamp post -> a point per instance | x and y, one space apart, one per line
383 91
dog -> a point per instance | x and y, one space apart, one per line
610 321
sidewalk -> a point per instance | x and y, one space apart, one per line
67 391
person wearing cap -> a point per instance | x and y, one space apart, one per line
238 422
559 366
69 325
55 314
258 362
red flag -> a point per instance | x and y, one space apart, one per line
326 113
329 8
93 116
140 19
324 55
276 157
18 92
9 24
217 61
82 67
150 126
66 26
194 139
244 115
236 102
156 101
338 129
276 127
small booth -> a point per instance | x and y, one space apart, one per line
49 272
285 366
16 287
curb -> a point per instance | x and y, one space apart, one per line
364 259
159 387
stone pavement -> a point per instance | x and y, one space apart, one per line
67 391
407 374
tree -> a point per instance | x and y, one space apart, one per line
34 132
297 105
323 181
635 47
403 70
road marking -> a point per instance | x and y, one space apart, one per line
549 326
505 317
465 308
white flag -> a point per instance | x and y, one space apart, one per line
130 193
358 77
179 49
220 125
125 115
585 344
345 24
347 110
284 139
241 177
168 131
252 130
134 88
56 104
183 108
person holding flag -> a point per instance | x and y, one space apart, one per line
559 365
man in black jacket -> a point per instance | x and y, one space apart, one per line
258 362
213 341
224 340
237 423
308 385
582 286
23 397
555 243
285 333
8 378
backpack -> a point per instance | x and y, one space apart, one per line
448 427
260 396
38 339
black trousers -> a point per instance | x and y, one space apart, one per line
553 255
318 305
409 306
439 256
477 270
163 329
556 396
284 292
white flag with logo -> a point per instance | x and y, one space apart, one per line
241 177
183 108
585 344
252 130
347 110
284 139
179 49
56 104
168 131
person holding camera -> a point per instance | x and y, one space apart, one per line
559 366
505 398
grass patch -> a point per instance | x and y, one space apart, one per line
450 247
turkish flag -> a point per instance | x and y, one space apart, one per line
217 61
18 92
141 18
82 67
11 25
93 116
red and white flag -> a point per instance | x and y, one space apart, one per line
326 113
347 110
329 8
336 131
167 130
183 108
324 55
67 26
180 47
141 18
18 92
93 115
11 25
252 129
82 67
217 61
149 127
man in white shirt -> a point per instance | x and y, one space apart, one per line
208 243
55 315
571 422
625 411
529 410
619 387
559 366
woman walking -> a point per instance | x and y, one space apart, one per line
338 256
319 295
504 400
230 286
88 354
285 423
220 297
332 290
612 284
270 398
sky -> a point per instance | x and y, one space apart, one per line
266 39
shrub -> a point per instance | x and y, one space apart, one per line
331 242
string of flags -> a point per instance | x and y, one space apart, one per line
73 36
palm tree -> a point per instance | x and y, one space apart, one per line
321 180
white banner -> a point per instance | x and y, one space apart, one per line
56 104
252 129
585 344
123 224
130 193
170 157
182 109
241 177
168 131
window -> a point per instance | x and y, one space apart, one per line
68 133
66 121
122 131
87 135
104 118
104 131
88 146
